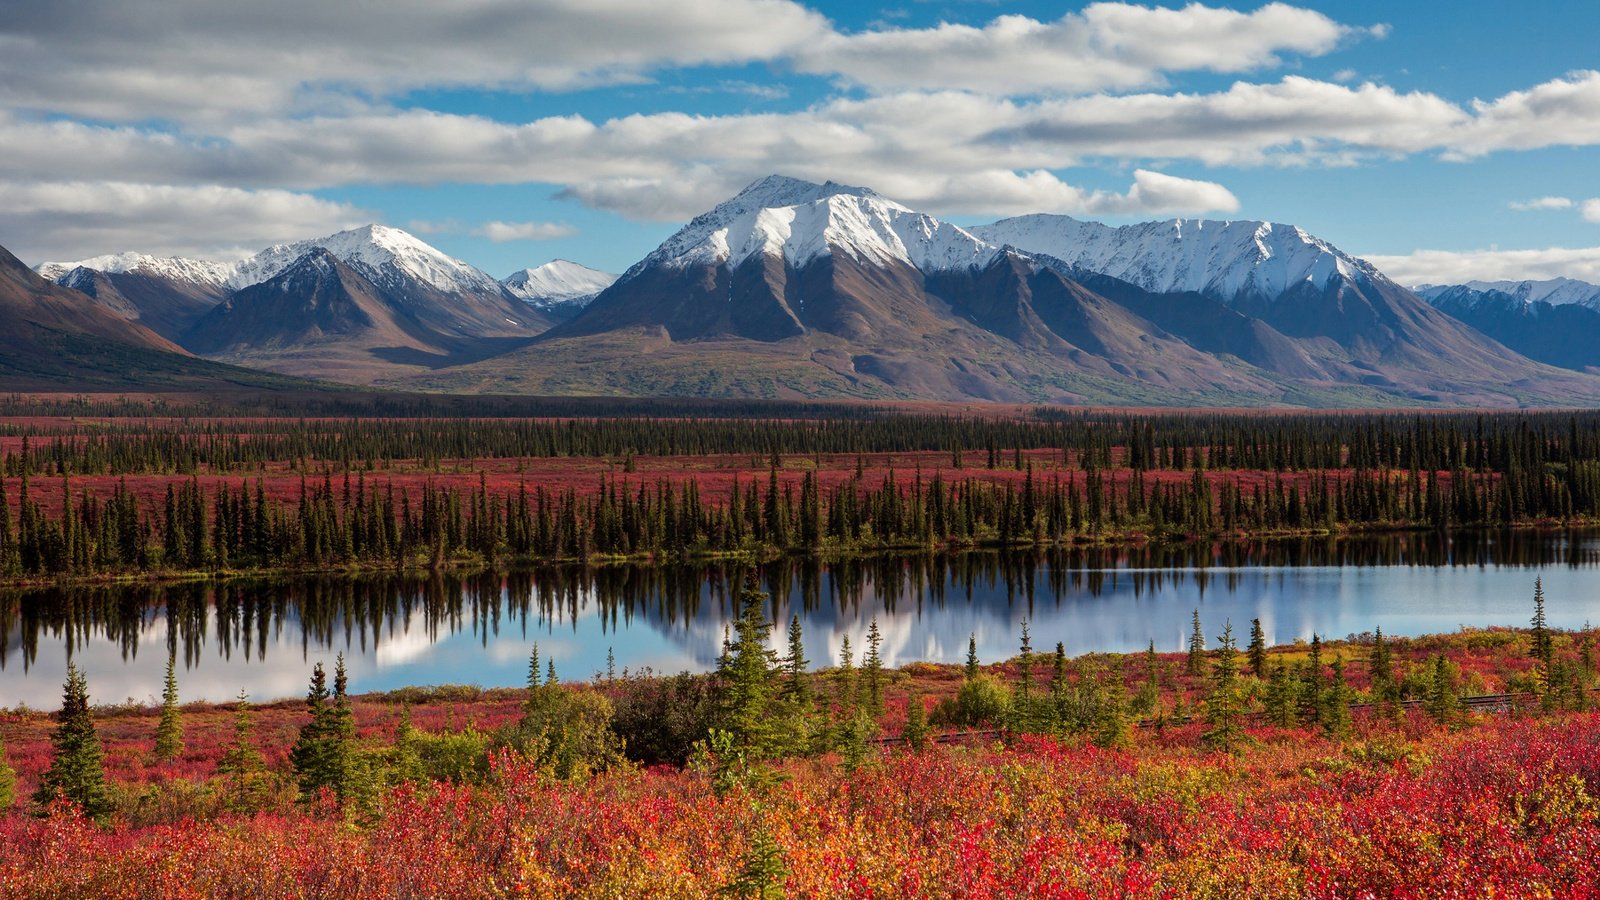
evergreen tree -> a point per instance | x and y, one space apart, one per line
1025 659
77 772
1444 700
796 665
1280 701
169 732
1336 702
971 670
748 682
761 871
1197 648
1222 704
872 672
1543 646
1380 674
1256 652
242 766
1310 691
320 756
533 669
916 730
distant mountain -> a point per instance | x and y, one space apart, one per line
799 289
1554 291
1555 321
447 311
60 339
560 288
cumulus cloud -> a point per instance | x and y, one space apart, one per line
1564 112
1541 203
1591 210
201 59
1107 45
63 220
1457 267
502 232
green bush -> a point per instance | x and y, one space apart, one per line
982 700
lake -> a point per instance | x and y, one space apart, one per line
263 635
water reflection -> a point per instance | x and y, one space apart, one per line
263 635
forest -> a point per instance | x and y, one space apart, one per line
87 496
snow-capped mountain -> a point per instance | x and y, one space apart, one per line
1555 321
360 303
386 256
800 221
382 254
1227 261
791 286
1554 291
175 268
557 283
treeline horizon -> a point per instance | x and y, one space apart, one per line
1481 442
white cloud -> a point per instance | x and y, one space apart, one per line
1591 210
1541 203
1107 45
1557 113
1457 267
68 220
197 60
502 232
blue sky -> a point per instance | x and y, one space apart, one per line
510 132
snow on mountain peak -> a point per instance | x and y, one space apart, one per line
380 253
1554 291
175 268
802 221
556 282
1226 260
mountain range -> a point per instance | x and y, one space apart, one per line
796 289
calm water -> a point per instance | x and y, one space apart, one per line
263 636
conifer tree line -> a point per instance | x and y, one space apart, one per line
356 522
1522 443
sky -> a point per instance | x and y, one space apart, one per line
1442 141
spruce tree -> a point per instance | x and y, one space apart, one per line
320 757
1444 700
1279 701
77 771
1543 647
1336 702
1222 704
242 765
1257 650
971 670
761 871
1380 674
1197 648
916 730
1311 688
1025 660
169 732
748 681
872 672
796 664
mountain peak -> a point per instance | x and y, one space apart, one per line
1228 260
802 220
777 191
559 281
175 268
379 252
